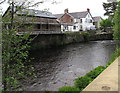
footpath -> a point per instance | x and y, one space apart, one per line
108 80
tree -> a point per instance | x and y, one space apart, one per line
15 48
105 23
110 8
2 1
116 21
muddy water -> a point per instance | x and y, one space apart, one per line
58 67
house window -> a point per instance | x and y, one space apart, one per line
86 20
90 21
80 20
74 27
66 27
81 27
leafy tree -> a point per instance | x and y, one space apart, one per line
105 23
116 21
110 8
15 48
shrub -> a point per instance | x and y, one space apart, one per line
94 73
68 89
82 82
105 23
86 35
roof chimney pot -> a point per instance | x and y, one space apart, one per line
66 11
88 9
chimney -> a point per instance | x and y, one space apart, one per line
66 10
88 9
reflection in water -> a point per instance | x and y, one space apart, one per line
59 67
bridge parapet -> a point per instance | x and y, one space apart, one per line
40 32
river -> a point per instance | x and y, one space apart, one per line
60 66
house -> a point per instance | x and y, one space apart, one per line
97 21
76 21
38 20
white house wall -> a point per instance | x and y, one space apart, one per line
85 24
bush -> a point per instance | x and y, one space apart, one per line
68 89
82 82
105 23
86 35
94 73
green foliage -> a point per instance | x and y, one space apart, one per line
86 35
106 23
94 73
110 8
15 54
15 58
114 56
68 89
82 82
116 20
72 33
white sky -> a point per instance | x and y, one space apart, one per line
95 6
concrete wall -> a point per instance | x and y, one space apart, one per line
101 37
52 40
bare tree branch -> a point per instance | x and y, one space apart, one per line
2 1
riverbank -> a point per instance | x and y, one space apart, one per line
92 81
52 40
107 80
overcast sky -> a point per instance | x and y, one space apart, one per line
95 6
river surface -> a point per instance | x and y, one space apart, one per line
60 66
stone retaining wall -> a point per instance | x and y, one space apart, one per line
51 40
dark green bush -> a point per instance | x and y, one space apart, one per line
86 35
68 89
82 82
94 73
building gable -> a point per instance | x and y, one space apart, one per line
66 18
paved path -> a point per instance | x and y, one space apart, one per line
107 80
